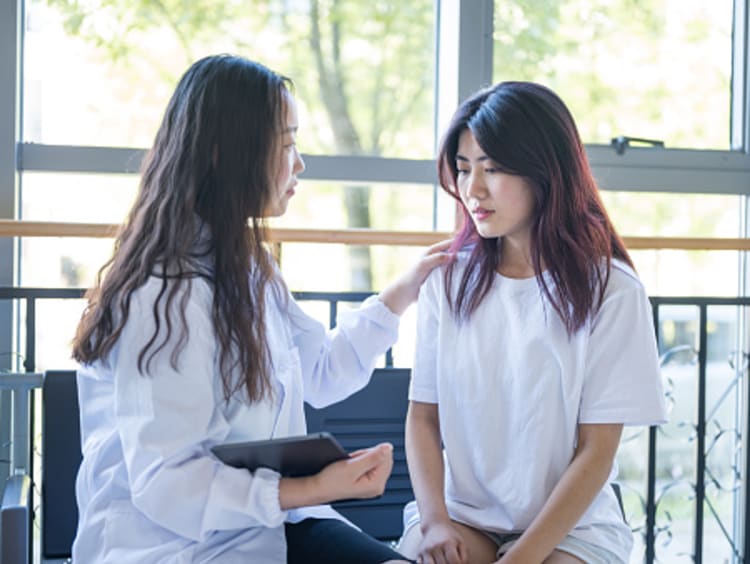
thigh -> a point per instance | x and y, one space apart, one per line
333 542
480 547
560 557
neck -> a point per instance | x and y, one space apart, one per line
515 260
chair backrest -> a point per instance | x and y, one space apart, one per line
15 520
61 457
375 414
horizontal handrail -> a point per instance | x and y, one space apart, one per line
24 228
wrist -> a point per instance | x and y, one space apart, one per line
389 297
439 519
300 492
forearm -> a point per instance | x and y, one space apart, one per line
300 492
425 459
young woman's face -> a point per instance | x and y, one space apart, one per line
289 162
500 204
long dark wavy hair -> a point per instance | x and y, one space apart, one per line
527 130
199 214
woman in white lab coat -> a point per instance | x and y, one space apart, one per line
191 338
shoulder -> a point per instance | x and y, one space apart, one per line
435 282
622 280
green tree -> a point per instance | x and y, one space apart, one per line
363 67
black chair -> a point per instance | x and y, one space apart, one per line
61 457
375 414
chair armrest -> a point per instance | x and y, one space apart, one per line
15 517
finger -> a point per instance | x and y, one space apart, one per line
431 261
370 459
452 555
380 449
439 556
463 553
439 246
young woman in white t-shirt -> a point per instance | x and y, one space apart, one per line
535 346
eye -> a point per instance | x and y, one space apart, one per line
462 171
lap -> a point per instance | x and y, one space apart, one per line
485 546
334 542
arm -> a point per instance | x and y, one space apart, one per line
339 362
571 497
441 541
168 419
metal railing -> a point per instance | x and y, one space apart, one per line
684 484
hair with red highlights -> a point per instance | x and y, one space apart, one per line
527 130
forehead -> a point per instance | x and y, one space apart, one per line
291 117
468 146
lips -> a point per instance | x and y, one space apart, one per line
481 214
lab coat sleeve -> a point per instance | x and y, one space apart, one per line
168 419
337 363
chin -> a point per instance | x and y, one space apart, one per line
488 234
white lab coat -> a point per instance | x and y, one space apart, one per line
148 489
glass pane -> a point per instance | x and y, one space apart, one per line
335 205
84 198
674 272
658 69
101 72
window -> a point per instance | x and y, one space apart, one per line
100 73
657 69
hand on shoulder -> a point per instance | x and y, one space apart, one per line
401 293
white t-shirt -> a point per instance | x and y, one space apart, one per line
512 388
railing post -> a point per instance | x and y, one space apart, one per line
700 455
651 472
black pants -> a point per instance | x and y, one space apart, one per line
332 541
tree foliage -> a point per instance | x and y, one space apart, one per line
362 68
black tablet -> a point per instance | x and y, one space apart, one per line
289 456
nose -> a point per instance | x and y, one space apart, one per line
475 186
299 164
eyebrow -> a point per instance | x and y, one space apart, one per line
480 159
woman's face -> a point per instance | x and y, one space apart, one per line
500 204
289 163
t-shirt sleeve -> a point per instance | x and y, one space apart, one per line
423 386
622 380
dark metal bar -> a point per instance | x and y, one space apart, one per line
332 313
29 362
700 455
746 551
700 300
15 293
651 475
